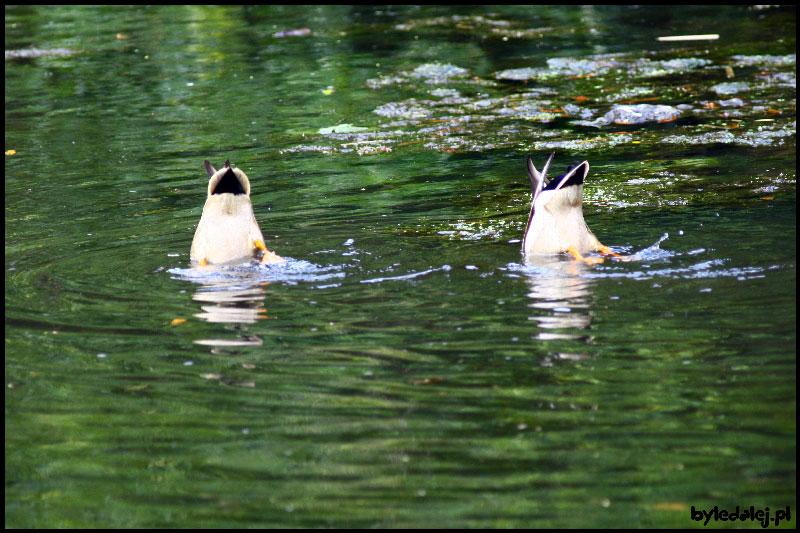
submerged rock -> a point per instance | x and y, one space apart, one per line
444 111
410 109
578 111
429 72
765 60
764 136
445 93
733 87
731 102
518 74
435 72
779 79
602 65
634 114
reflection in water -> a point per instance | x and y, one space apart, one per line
561 286
229 296
237 298
231 304
235 294
248 340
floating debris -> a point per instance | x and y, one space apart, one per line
704 37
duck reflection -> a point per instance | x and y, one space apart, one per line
562 287
231 305
231 297
235 295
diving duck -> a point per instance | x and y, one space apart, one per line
228 231
556 224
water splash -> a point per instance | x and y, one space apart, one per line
646 264
291 271
443 268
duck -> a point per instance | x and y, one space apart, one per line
556 224
228 232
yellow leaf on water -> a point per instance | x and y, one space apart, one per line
669 506
427 381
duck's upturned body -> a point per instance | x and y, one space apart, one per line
228 231
556 223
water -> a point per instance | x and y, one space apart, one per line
405 367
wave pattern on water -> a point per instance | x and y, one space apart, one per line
292 272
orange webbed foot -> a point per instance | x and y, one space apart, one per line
588 260
268 257
607 251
